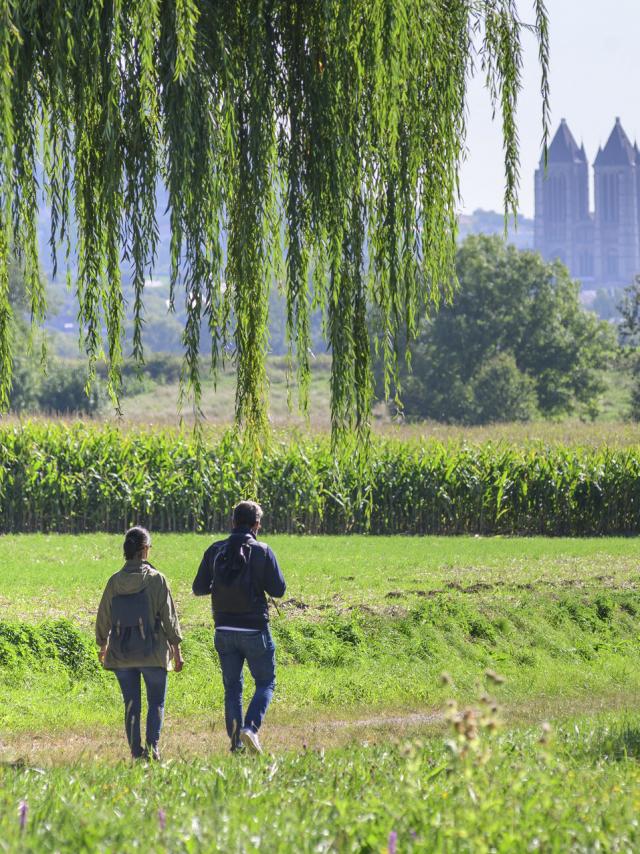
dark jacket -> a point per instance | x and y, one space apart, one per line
266 578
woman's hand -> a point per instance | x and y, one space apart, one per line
178 660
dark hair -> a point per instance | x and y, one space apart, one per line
135 540
246 514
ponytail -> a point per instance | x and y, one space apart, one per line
135 540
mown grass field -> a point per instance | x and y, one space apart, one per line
159 405
155 410
63 576
363 754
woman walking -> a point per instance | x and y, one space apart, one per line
138 632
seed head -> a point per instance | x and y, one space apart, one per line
494 677
546 733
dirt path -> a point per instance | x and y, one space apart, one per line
188 739
185 740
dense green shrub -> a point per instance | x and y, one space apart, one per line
56 478
61 390
514 340
501 392
49 642
25 386
64 390
160 367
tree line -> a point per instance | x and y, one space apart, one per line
513 344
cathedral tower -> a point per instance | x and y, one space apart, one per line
563 226
617 209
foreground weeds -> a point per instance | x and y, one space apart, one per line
574 789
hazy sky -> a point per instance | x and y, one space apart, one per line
595 76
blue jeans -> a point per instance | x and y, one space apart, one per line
259 651
155 680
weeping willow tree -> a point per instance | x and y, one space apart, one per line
311 143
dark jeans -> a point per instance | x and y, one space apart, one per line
155 680
259 651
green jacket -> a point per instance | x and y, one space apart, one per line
134 576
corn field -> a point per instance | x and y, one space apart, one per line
83 478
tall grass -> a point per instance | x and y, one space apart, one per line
82 478
518 791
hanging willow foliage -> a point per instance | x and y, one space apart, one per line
313 143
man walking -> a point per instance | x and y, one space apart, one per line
239 573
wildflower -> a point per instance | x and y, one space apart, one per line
445 678
392 846
23 811
162 818
494 677
546 733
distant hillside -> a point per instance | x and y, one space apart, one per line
163 330
520 234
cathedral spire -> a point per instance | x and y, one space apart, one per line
618 150
564 148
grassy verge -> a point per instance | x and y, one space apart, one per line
575 788
368 624
575 645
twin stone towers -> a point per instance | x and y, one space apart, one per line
600 248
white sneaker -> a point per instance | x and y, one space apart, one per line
250 739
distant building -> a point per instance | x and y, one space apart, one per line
601 249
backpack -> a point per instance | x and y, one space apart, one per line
234 588
131 628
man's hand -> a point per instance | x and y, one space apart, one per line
178 660
102 654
